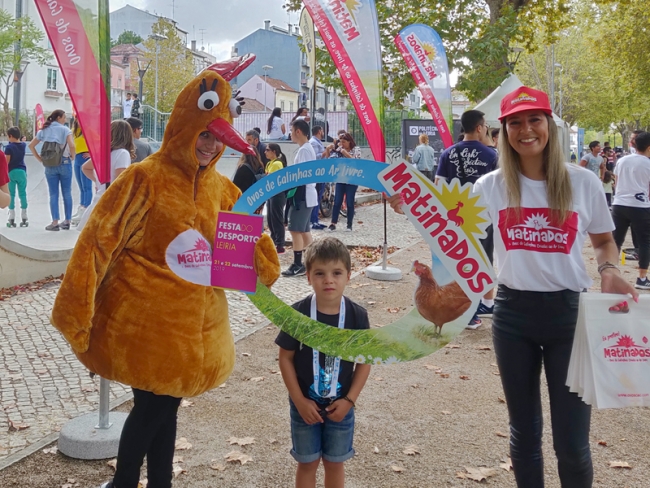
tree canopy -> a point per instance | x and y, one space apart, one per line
175 66
127 37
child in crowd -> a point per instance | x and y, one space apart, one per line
15 154
323 390
608 185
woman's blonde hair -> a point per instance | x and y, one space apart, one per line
424 139
122 137
558 181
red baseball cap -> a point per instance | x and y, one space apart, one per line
524 98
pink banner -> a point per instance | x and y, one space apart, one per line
427 62
40 118
82 77
360 38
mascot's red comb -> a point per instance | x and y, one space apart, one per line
231 68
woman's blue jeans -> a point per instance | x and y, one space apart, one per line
347 191
530 329
56 176
85 183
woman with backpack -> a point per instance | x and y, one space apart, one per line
57 154
276 205
249 170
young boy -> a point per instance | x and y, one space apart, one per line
323 390
15 153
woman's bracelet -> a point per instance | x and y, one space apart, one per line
349 400
606 265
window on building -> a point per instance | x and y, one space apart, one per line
51 78
282 105
291 107
412 98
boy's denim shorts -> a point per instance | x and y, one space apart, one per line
330 440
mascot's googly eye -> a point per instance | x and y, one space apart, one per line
208 100
235 108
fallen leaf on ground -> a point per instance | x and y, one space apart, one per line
484 348
257 379
507 465
243 441
273 441
235 456
444 375
397 469
375 450
50 450
371 303
393 310
619 464
452 346
182 444
602 443
415 386
464 377
177 459
496 373
272 371
494 364
501 434
245 354
217 467
477 474
177 470
411 450
112 463
501 400
378 378
223 385
446 412
186 403
430 366
14 427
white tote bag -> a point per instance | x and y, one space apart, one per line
610 361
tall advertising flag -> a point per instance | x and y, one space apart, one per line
40 118
308 40
350 31
80 36
426 59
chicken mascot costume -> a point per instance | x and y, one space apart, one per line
127 315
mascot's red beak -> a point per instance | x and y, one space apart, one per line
227 134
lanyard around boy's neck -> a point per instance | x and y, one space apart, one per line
337 362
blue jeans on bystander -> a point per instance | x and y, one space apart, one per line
55 176
85 183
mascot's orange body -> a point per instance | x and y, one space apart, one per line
126 314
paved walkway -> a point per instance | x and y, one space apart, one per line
42 385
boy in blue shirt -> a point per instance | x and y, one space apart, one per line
15 153
323 390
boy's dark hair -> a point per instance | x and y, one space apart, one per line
302 126
607 177
471 119
134 122
14 132
327 250
593 144
642 141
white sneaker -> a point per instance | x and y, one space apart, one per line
23 214
77 217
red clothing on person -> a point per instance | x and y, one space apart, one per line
4 170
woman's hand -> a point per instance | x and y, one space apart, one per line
395 202
613 282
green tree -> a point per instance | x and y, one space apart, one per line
30 37
477 35
127 37
175 66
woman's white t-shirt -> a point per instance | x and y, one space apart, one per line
304 154
276 128
532 253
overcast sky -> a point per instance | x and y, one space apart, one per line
224 21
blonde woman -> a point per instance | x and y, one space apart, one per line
424 157
122 154
536 193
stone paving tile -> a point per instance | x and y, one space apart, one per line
43 385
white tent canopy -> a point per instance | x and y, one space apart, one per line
491 107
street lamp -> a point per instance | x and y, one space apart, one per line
157 38
141 73
18 74
513 57
266 68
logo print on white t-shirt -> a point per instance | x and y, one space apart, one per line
533 231
189 255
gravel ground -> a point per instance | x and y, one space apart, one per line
453 423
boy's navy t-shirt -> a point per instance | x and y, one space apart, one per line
356 317
467 161
17 152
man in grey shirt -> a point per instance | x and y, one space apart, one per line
142 149
593 161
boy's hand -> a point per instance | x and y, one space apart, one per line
338 410
395 202
309 411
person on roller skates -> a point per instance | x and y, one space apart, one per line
15 156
